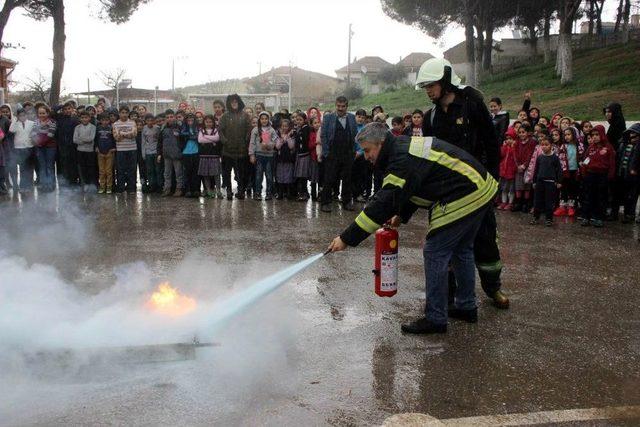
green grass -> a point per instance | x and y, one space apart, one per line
600 76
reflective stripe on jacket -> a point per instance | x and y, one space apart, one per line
423 172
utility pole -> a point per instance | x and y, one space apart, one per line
349 58
290 86
173 74
88 91
259 67
155 101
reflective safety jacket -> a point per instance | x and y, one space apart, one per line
423 172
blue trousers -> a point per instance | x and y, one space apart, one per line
452 245
264 166
21 158
46 162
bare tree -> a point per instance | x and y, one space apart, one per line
39 86
112 79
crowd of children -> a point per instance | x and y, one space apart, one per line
562 167
557 166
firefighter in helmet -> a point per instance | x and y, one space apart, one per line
426 172
460 117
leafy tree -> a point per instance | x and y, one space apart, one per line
5 13
491 15
117 11
353 92
433 17
530 18
391 74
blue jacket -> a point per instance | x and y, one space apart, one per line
329 130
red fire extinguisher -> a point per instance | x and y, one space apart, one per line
386 262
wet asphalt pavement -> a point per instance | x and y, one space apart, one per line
324 349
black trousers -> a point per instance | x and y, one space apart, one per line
337 170
596 196
142 168
544 199
87 164
626 195
487 257
190 164
69 163
239 168
360 176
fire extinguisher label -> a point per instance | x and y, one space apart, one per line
389 272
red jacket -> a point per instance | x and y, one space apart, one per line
602 159
313 141
508 166
524 151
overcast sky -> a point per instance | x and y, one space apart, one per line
215 40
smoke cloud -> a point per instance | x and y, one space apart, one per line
51 328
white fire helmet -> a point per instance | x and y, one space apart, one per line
434 70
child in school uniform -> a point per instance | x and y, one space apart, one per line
190 157
508 169
149 144
303 157
285 146
261 152
524 150
546 181
84 136
105 147
599 170
210 149
314 165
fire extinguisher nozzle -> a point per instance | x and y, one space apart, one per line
327 252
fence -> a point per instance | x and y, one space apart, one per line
593 41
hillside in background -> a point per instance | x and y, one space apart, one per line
600 76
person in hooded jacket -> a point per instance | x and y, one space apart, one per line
627 173
617 124
235 129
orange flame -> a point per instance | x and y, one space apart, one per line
167 300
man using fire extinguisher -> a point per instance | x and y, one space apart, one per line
460 117
425 172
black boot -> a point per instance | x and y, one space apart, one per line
423 326
469 316
314 192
